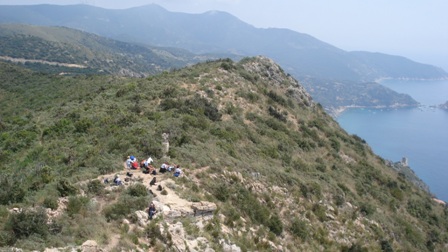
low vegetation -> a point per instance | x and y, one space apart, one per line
280 170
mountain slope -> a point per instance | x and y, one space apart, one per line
304 56
281 173
88 52
215 31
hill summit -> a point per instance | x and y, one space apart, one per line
264 168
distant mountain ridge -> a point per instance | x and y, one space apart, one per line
216 31
39 46
302 55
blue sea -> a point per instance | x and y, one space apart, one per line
420 134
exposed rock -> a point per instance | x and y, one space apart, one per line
161 207
279 190
15 210
347 159
90 246
203 208
330 216
226 247
142 218
126 221
441 202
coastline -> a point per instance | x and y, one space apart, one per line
335 112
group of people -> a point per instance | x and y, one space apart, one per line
148 168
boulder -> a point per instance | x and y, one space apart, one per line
89 246
203 208
226 247
142 218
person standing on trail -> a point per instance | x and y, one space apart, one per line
128 162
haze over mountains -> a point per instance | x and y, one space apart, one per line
302 55
264 167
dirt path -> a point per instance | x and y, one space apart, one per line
22 60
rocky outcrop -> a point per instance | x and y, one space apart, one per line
90 246
203 208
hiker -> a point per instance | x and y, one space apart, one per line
117 180
148 161
177 171
128 162
153 181
145 163
151 210
134 163
163 168
171 168
150 170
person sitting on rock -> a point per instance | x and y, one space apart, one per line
148 161
153 181
151 210
171 168
163 168
177 171
117 180
150 170
134 163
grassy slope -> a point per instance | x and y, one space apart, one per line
243 118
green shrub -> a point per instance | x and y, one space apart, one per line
11 190
228 66
419 208
279 115
299 228
386 246
335 144
367 208
152 231
27 223
65 188
95 187
137 190
50 202
221 191
124 206
277 98
77 205
83 125
275 224
354 248
319 211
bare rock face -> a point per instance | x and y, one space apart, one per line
273 73
203 208
90 246
226 247
142 218
183 242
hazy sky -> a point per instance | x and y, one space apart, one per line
417 29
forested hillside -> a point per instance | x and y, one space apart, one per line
280 172
52 49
